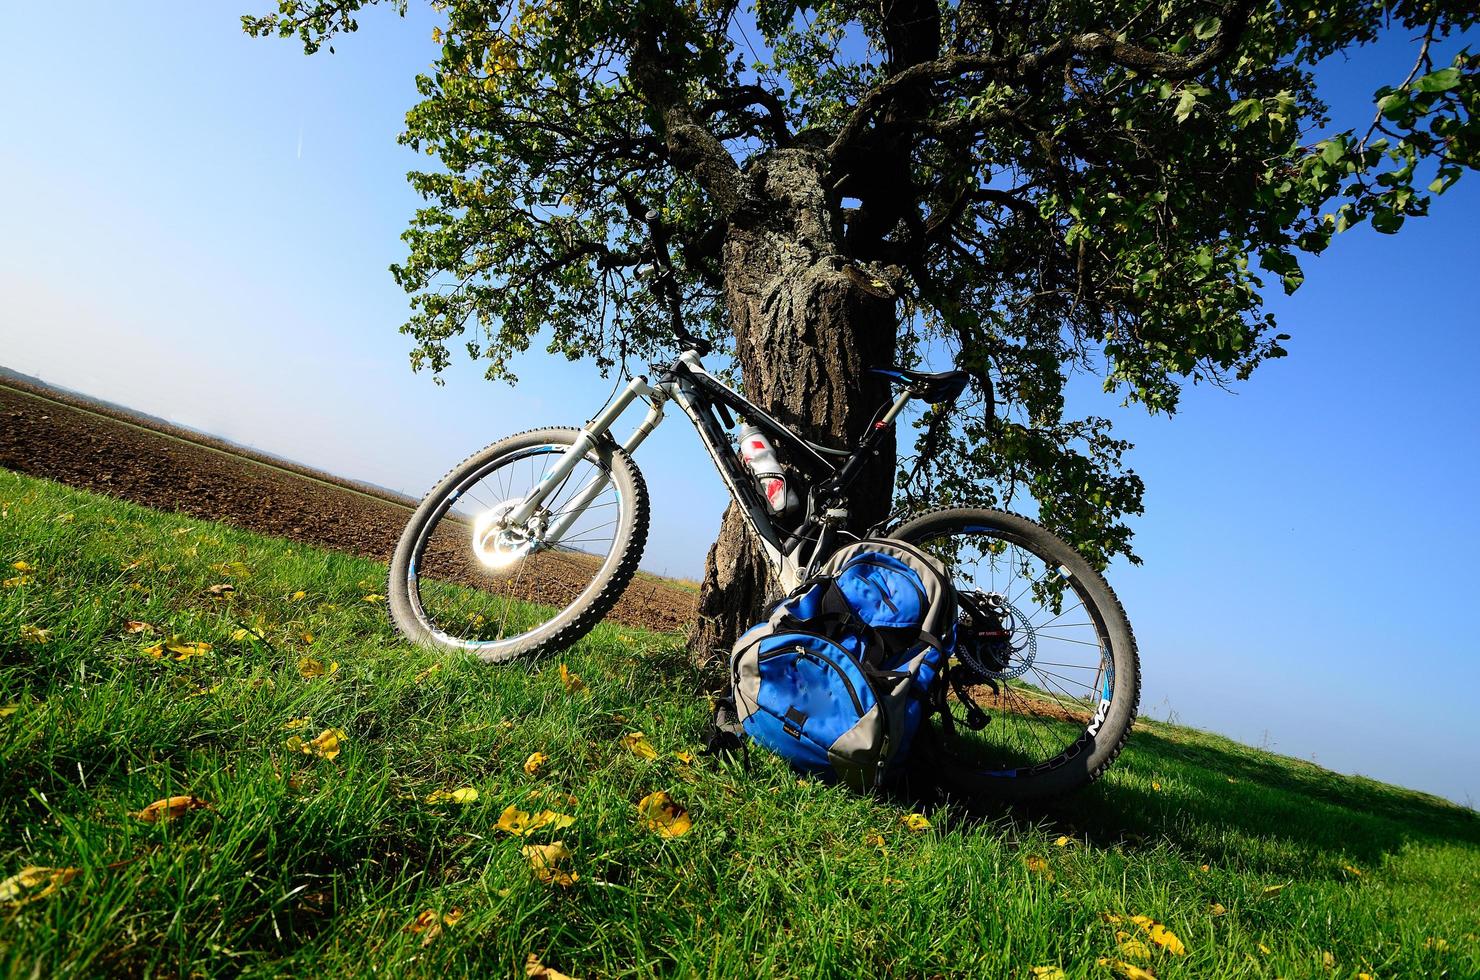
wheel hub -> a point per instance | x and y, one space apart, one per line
993 637
499 543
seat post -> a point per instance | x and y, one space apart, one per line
895 409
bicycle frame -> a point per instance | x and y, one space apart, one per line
700 396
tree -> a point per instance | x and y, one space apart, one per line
1035 188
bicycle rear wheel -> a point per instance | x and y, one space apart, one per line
1045 681
464 579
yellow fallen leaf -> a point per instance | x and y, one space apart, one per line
1327 960
1046 972
535 970
293 724
1160 934
546 860
428 919
221 589
1355 872
1131 946
171 807
663 816
638 744
1127 970
325 744
571 681
1205 867
684 758
16 581
22 566
1216 908
426 673
1364 976
1063 841
372 597
463 796
1156 786
515 821
1263 949
156 651
311 667
137 626
535 761
185 649
1038 865
429 924
234 568
35 634
6 710
298 596
915 821
307 637
1272 889
874 839
13 888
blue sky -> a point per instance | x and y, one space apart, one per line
198 225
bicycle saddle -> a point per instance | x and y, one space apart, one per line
944 386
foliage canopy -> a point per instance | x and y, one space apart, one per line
1047 187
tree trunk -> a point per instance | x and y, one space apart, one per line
808 326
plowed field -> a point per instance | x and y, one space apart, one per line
58 436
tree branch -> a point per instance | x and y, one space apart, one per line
1235 18
692 148
743 97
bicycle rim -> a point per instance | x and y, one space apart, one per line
484 590
1034 675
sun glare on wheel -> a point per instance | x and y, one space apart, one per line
497 547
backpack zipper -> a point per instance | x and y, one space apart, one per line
869 560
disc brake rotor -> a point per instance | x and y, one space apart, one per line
1001 643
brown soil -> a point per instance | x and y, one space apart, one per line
60 437
1016 701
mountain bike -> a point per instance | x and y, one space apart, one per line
528 543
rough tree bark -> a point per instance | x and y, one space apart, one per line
808 325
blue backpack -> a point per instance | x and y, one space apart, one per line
838 677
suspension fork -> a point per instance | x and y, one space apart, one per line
589 436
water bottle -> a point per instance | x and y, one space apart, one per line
760 457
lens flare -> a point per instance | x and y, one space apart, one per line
495 546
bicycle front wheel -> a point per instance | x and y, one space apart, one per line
465 578
1045 680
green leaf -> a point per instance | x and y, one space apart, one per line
1207 27
1185 105
1440 81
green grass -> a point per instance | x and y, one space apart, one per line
309 867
